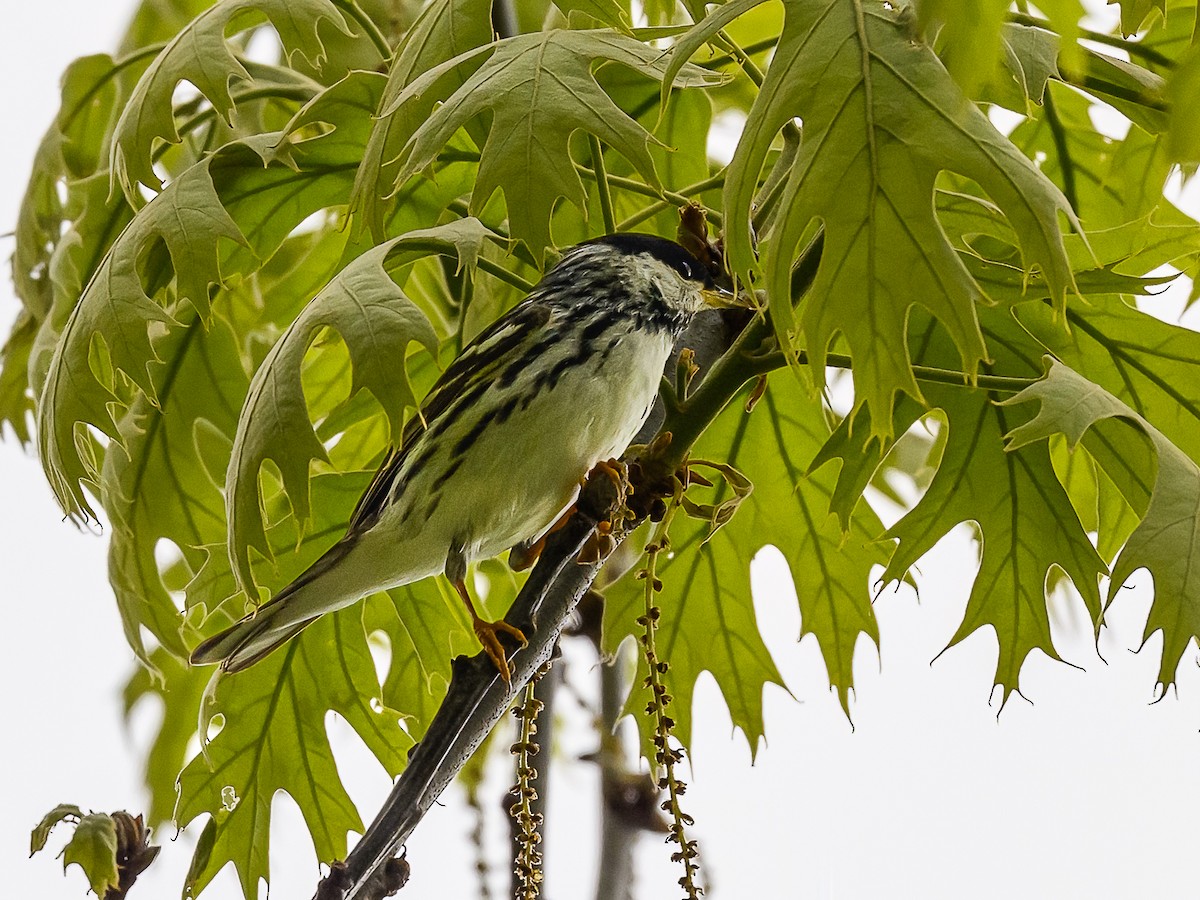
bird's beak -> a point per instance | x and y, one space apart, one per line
720 298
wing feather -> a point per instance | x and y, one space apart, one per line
481 360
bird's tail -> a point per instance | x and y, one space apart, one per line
273 624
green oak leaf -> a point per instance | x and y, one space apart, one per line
94 88
1031 57
1167 540
60 240
605 12
882 119
445 30
201 55
178 688
274 735
1134 13
1148 364
1183 89
539 88
377 321
16 400
155 486
708 621
970 34
1026 520
223 216
427 626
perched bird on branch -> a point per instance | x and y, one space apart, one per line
556 386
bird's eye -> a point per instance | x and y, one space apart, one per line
685 269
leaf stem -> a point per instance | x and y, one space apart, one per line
636 187
1065 160
354 11
753 72
749 50
606 204
187 126
498 236
493 268
715 180
1008 384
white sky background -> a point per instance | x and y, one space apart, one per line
1089 792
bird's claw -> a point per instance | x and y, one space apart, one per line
488 634
608 487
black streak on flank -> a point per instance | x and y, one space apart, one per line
444 477
465 442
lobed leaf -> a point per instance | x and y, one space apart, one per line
971 36
155 483
201 55
1167 540
274 739
225 215
274 736
446 29
539 88
377 321
708 621
1148 364
881 119
1026 520
178 688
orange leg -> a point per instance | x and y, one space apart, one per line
487 632
521 557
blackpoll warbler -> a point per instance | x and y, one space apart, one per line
561 382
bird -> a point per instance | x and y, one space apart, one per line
502 442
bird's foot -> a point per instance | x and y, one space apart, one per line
489 636
608 479
612 476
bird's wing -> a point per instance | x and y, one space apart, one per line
481 360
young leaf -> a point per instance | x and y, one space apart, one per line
41 832
540 89
377 321
1026 519
881 119
1167 541
201 56
274 735
445 30
93 847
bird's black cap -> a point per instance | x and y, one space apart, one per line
662 249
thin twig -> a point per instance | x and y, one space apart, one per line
606 204
715 180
